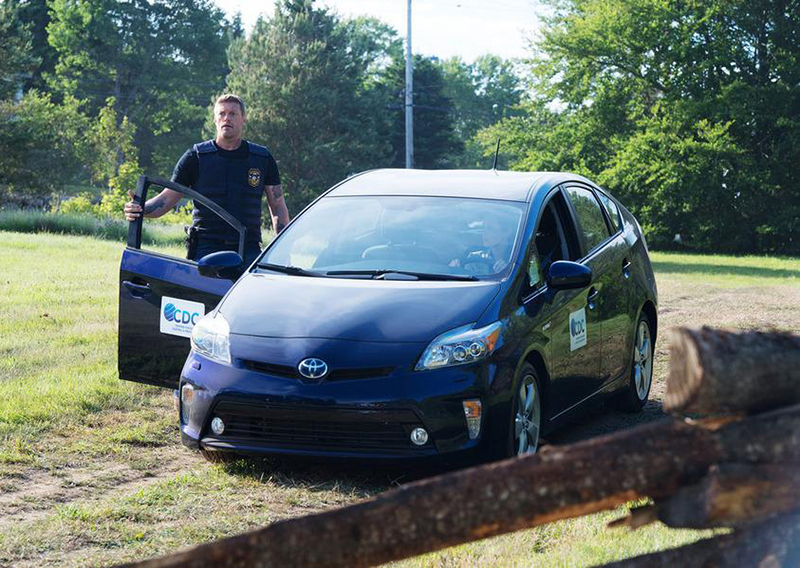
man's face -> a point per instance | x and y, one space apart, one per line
229 120
494 233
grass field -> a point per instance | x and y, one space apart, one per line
92 470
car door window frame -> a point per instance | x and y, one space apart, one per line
135 227
586 252
609 222
531 292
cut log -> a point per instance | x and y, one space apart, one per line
734 495
714 371
602 473
773 543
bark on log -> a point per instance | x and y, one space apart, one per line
602 473
714 371
774 543
734 495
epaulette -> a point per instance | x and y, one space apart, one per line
206 147
258 149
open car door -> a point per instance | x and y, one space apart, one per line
160 299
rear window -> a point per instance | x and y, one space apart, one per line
590 216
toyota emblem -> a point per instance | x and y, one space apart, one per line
313 368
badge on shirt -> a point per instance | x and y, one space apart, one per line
253 177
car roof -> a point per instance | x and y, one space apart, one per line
482 184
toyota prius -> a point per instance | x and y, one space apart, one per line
403 314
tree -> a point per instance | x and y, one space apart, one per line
482 93
45 146
17 60
161 61
688 111
436 143
302 75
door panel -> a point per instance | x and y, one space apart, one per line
160 299
614 308
146 354
576 347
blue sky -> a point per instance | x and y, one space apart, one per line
444 28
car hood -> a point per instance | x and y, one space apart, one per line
361 310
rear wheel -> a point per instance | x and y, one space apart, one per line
635 395
526 414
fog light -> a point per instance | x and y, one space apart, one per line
472 411
419 436
217 426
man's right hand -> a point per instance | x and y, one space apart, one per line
132 209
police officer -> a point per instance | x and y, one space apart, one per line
231 172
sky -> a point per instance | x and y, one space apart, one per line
444 28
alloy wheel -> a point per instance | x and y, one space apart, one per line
528 418
642 361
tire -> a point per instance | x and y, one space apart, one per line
634 396
219 457
526 414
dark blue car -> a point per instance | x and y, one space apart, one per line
403 314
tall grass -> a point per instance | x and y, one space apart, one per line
22 221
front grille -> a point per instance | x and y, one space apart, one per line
335 375
342 428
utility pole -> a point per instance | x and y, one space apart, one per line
409 96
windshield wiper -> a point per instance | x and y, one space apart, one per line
293 270
381 274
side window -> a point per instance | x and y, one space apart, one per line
611 209
554 239
590 216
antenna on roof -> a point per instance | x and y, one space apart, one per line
496 152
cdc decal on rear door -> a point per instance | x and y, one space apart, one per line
577 329
179 316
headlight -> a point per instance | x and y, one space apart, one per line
211 337
460 346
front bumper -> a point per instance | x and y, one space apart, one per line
265 411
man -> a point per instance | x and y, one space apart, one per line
497 240
231 172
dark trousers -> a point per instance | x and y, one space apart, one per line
206 246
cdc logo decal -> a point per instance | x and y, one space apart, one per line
178 316
171 313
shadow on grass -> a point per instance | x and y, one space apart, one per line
361 478
723 270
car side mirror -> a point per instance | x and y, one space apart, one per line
223 264
567 275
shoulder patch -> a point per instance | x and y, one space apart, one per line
258 149
206 147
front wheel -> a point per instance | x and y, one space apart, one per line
635 395
526 414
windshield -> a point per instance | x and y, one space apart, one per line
432 235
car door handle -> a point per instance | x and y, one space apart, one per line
626 266
590 299
137 290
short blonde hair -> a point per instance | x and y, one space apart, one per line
230 98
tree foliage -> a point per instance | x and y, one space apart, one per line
161 61
17 59
302 75
686 110
44 145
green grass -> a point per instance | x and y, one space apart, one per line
58 329
74 224
122 487
727 270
